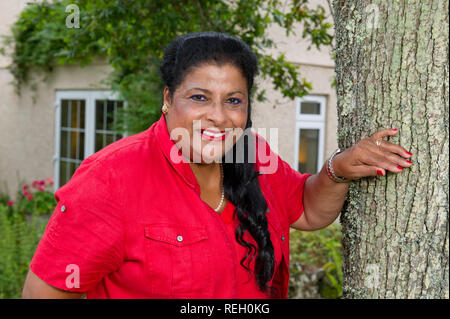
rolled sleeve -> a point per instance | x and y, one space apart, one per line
288 182
83 240
293 184
288 186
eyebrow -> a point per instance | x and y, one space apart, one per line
209 92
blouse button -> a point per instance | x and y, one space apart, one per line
282 238
180 238
63 208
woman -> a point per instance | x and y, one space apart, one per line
169 213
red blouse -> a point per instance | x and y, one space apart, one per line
131 224
247 285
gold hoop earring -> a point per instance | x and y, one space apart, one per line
165 109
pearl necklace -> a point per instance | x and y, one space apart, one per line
223 192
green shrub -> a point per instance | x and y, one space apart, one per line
37 198
316 258
331 286
22 224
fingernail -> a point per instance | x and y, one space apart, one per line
409 162
395 129
399 167
409 153
380 172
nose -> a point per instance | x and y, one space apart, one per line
216 114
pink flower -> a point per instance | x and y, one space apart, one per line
40 189
25 187
30 197
34 183
49 180
41 183
10 203
26 194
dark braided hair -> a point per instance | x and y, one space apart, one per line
240 180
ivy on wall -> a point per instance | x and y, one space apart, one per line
132 35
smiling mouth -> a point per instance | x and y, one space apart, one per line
213 136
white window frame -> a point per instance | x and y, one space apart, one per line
89 134
310 121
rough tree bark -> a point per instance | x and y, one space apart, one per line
392 72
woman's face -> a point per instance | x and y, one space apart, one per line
208 112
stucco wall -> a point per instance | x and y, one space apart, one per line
27 127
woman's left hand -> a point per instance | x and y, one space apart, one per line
367 158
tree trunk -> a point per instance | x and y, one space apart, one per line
392 72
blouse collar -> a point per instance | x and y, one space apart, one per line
181 167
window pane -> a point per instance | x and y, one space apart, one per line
110 114
72 168
64 112
308 154
106 113
73 145
98 141
310 108
99 112
72 139
62 173
74 114
102 140
66 171
77 145
63 144
109 139
82 113
81 147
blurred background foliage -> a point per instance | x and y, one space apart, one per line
22 224
132 35
316 263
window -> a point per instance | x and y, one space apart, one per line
309 133
84 122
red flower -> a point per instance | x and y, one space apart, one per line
26 194
34 183
40 189
25 187
10 203
41 183
30 197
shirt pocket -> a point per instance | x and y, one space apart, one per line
177 258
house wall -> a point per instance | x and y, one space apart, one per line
27 121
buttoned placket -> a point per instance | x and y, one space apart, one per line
228 239
275 225
187 175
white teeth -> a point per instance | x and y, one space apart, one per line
213 134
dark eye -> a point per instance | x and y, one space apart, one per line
234 100
198 97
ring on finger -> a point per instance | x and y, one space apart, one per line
378 141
